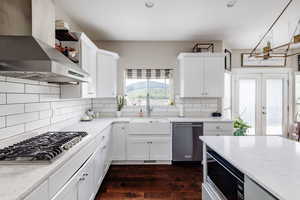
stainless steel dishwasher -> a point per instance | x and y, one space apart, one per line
186 145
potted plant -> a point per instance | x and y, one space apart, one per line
120 105
241 127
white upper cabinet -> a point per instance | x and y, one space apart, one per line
201 74
107 64
88 62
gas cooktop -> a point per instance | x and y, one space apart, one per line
42 149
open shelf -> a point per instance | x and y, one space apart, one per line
65 35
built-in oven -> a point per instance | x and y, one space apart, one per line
227 180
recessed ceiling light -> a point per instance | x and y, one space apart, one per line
149 4
231 3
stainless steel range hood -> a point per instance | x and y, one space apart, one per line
24 56
29 58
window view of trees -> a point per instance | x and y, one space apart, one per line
137 90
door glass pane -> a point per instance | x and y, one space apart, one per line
274 107
247 103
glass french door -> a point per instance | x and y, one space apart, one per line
262 101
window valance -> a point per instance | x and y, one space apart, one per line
148 73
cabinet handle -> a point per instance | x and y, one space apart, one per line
104 147
218 127
103 137
86 174
82 179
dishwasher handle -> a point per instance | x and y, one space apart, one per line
188 125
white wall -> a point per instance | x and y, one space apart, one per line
30 106
60 14
136 54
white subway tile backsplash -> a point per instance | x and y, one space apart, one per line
7 87
54 90
2 122
45 114
11 109
37 124
48 97
22 98
11 131
27 105
37 89
21 118
32 107
2 98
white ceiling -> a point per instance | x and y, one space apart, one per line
240 26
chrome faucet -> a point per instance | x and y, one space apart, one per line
148 107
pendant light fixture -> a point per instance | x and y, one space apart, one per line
268 51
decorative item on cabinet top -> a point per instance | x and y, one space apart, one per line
203 47
228 59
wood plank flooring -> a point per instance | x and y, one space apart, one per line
152 182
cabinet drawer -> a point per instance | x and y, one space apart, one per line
218 126
103 136
218 133
40 193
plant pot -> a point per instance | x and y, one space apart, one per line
119 113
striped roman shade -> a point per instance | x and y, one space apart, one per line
148 73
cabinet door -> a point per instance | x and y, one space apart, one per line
137 148
40 193
213 77
160 149
192 70
119 142
69 190
88 63
106 75
99 167
86 181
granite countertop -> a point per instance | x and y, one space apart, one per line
272 161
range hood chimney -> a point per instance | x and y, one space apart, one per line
27 38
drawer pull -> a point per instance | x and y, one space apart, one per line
86 174
82 179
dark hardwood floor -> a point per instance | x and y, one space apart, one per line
157 182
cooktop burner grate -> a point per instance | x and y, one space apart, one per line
42 148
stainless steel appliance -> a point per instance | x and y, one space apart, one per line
227 180
40 149
187 147
24 56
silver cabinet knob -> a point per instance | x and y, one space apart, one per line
81 179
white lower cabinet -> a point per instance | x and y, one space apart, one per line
137 148
86 181
80 186
148 148
40 193
218 128
160 149
84 184
119 133
99 167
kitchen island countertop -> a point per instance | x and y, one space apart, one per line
271 161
